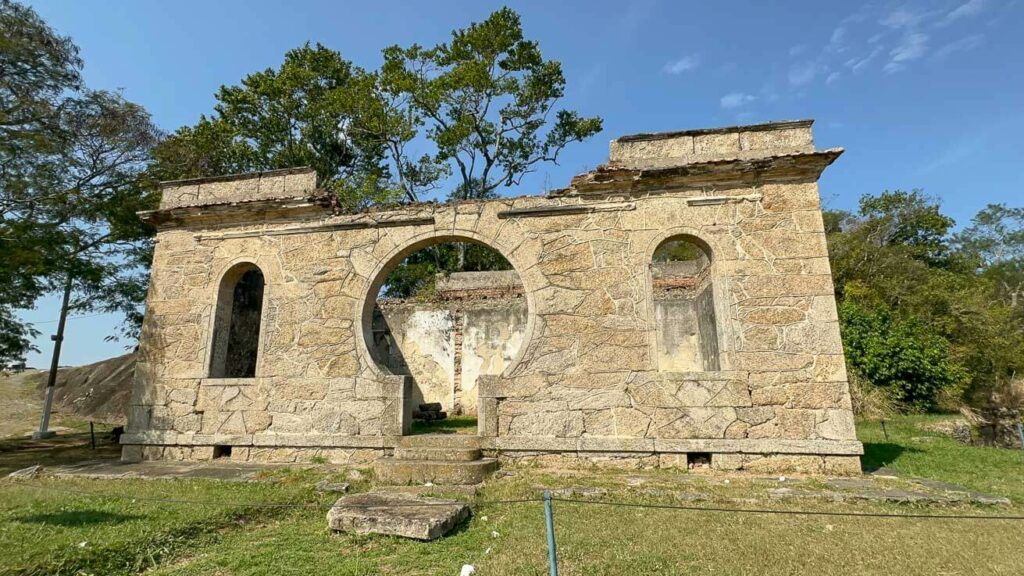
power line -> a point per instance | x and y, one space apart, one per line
253 505
790 512
72 318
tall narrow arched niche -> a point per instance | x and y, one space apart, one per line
684 307
236 326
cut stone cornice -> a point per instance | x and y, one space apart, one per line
723 172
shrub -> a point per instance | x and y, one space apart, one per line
900 355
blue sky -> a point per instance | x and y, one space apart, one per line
921 94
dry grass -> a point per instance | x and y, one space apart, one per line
41 531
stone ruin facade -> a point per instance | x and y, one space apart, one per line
260 341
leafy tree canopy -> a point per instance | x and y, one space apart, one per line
73 176
923 310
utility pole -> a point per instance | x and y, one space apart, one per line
51 380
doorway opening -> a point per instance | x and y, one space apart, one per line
446 313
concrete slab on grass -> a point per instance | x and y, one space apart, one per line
402 515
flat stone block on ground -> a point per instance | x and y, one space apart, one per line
402 515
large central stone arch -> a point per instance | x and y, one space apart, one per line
389 261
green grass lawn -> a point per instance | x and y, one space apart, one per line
42 531
914 450
450 425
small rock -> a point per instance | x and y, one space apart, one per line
26 473
467 570
327 486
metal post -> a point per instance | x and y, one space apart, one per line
884 431
51 380
1020 432
92 436
549 519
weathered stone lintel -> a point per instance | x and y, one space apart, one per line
714 200
323 227
565 210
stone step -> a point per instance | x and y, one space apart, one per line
393 471
442 454
457 441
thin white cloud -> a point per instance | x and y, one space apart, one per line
833 77
736 99
803 73
965 10
962 45
858 63
838 34
684 64
797 50
904 17
913 46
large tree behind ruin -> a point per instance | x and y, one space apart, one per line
72 178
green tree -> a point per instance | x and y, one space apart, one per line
487 99
901 274
303 113
73 176
994 242
901 355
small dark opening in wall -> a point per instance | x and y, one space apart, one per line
698 460
221 452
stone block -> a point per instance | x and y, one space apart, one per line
394 514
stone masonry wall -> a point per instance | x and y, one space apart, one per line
421 339
585 381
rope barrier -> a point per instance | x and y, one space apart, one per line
789 512
90 493
912 515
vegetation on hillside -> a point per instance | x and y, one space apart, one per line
928 314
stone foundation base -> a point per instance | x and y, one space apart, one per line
758 463
137 453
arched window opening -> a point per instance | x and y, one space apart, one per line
684 307
236 331
446 314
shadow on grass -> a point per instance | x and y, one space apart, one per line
881 454
454 425
77 518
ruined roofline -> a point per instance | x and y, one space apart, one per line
636 164
764 126
236 177
606 179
